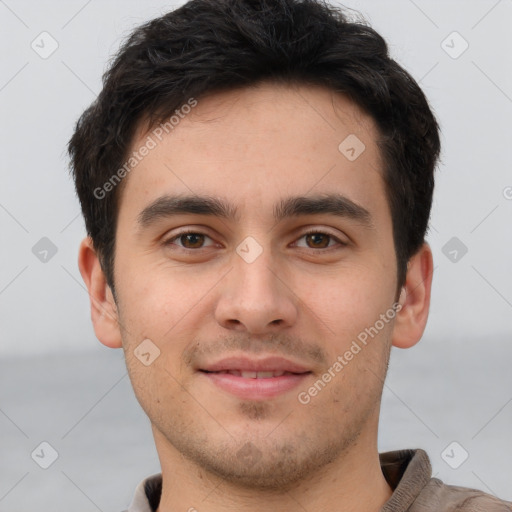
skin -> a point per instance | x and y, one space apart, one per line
253 147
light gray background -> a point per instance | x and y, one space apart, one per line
60 385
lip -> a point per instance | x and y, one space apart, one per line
248 388
256 389
266 364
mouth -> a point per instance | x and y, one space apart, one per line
254 375
255 380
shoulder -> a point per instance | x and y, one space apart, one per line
451 498
409 473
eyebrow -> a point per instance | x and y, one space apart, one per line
339 205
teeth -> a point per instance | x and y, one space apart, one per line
266 375
255 375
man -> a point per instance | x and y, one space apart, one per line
256 178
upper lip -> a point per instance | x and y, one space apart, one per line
267 364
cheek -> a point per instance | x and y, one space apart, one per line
347 301
156 303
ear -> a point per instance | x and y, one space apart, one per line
104 314
411 320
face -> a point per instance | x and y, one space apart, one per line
253 275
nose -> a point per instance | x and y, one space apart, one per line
256 297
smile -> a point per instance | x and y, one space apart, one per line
250 385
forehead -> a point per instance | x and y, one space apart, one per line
253 146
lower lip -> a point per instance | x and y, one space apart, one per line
256 389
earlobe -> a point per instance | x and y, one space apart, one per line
414 300
104 314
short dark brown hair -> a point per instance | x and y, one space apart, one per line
207 46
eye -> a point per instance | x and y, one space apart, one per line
320 240
188 240
194 240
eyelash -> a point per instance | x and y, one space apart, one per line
341 244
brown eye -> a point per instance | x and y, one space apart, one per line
318 240
188 240
192 240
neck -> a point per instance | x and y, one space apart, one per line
353 482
